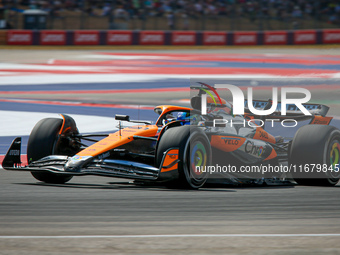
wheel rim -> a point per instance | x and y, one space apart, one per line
198 161
334 158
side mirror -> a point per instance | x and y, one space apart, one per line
158 111
196 103
122 117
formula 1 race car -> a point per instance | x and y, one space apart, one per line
182 144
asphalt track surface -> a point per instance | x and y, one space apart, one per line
95 215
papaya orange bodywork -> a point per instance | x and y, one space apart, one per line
169 108
118 139
170 158
126 135
320 120
263 135
219 141
272 155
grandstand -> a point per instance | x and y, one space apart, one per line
218 15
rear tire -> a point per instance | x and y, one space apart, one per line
320 145
43 142
194 150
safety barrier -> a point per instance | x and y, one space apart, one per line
128 37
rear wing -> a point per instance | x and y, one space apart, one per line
291 109
318 112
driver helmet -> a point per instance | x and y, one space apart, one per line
183 115
186 118
168 118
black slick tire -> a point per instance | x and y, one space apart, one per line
42 142
194 150
316 145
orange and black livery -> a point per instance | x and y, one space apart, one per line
180 145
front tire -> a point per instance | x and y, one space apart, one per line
319 145
194 151
43 142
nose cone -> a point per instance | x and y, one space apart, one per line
75 163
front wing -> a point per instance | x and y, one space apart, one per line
93 166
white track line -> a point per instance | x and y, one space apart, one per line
18 123
170 236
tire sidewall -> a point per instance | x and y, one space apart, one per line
42 142
333 177
187 171
311 145
181 138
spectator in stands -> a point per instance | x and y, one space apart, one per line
106 10
199 7
120 13
288 11
297 13
185 20
171 21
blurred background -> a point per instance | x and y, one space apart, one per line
176 14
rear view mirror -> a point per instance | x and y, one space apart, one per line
122 117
